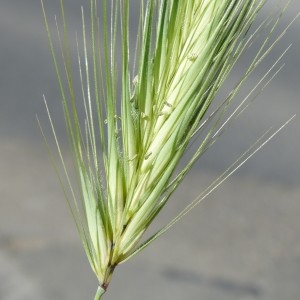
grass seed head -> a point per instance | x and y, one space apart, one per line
135 133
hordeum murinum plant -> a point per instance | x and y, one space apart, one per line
139 108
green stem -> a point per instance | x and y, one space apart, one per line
100 292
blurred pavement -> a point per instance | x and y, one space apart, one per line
242 243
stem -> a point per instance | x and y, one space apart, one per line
100 292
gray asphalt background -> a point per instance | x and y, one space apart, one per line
241 243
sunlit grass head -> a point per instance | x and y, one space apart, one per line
144 108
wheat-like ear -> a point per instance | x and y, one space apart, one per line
139 122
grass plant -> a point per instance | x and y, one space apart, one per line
138 113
